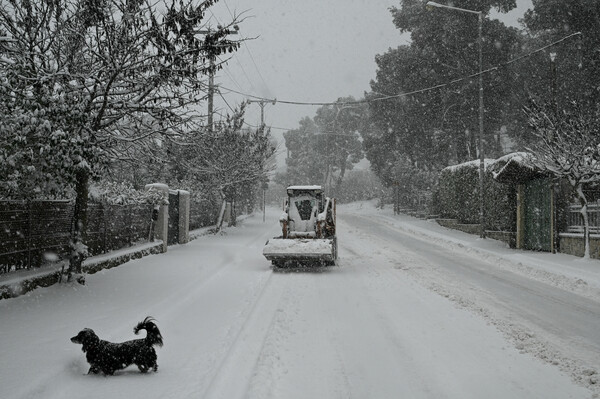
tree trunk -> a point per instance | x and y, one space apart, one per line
221 212
340 179
586 226
233 216
79 223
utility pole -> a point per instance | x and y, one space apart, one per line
211 94
554 75
211 77
262 104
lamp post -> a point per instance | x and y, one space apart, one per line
481 159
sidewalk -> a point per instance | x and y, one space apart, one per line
20 282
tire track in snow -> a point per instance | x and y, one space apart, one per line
373 284
172 311
298 358
233 372
516 327
46 385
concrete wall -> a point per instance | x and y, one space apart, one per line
573 244
453 224
504 236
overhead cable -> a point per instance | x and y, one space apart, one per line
394 96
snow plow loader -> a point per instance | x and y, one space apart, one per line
308 229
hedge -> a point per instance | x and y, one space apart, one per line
457 197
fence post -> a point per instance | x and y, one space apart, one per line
105 217
128 225
29 223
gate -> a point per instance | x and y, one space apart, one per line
173 234
538 215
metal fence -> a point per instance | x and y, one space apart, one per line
575 221
30 230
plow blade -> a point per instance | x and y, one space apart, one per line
279 250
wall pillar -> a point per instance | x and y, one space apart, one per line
184 216
520 216
161 225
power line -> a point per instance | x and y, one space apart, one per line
236 58
229 74
256 67
229 106
251 56
419 91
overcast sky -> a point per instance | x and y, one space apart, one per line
307 51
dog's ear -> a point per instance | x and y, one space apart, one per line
88 338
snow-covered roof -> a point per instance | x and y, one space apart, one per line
469 164
516 167
519 157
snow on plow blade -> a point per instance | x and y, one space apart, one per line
308 249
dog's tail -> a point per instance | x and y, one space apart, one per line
153 336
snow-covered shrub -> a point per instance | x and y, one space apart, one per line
123 193
457 197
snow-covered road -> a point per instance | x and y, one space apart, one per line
401 317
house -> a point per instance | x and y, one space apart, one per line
546 218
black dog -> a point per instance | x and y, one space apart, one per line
107 357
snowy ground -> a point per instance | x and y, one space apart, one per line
413 311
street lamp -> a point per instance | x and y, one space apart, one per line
481 160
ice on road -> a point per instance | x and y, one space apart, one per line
235 328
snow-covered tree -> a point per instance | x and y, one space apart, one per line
437 128
232 159
577 63
86 81
325 147
569 148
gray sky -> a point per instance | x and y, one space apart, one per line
307 51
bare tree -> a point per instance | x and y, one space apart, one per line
232 157
569 148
